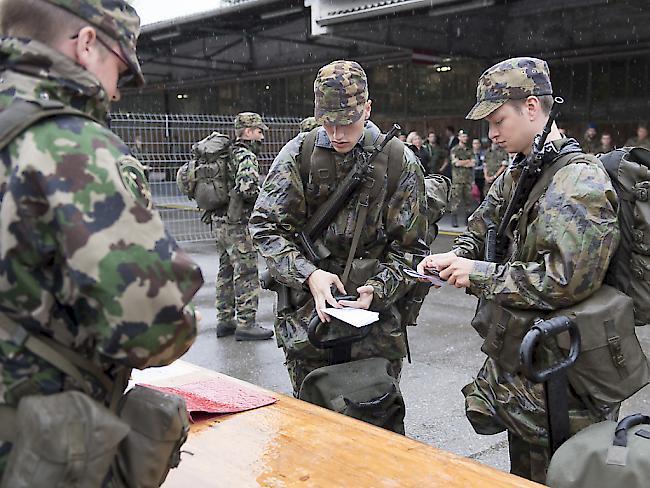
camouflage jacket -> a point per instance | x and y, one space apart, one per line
572 234
494 159
461 174
394 233
635 142
244 175
84 258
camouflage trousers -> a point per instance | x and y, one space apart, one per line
237 280
496 401
461 197
298 369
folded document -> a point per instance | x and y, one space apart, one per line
353 316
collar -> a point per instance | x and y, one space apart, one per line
35 71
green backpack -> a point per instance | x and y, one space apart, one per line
606 454
629 271
205 177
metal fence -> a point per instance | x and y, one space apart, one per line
162 143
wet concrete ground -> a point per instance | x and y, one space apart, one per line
444 348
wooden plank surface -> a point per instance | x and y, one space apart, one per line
295 444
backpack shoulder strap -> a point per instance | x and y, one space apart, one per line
306 150
395 158
22 114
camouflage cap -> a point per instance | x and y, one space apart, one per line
249 119
340 93
115 18
308 124
512 79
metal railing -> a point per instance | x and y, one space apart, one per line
162 143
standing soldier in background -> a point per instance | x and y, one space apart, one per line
560 253
496 162
606 143
307 124
589 142
86 267
437 154
462 177
641 139
237 280
392 235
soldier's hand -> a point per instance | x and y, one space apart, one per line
320 283
455 270
435 262
366 294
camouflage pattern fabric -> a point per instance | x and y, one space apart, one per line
512 79
494 159
636 142
84 258
115 18
561 259
308 124
237 278
244 175
461 179
394 232
249 119
237 281
340 93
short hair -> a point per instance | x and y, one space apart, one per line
545 101
451 128
642 125
37 20
411 136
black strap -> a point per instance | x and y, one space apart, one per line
620 434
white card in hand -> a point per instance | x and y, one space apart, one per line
353 316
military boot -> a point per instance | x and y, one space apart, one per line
253 333
226 328
454 220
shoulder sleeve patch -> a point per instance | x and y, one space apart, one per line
134 180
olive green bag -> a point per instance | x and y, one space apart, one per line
62 440
364 390
611 366
70 439
159 427
604 455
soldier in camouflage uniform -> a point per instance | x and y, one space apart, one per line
589 142
561 259
237 280
496 162
308 124
84 258
393 235
641 139
462 177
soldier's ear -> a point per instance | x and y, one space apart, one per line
367 109
86 46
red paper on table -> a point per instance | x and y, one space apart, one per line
205 399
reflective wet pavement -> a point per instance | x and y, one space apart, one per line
444 348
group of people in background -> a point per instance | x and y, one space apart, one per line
473 166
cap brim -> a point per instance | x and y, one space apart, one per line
339 116
483 109
134 66
263 126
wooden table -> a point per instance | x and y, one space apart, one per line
295 444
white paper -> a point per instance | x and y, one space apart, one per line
353 316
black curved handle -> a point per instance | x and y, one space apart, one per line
620 434
315 322
544 329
